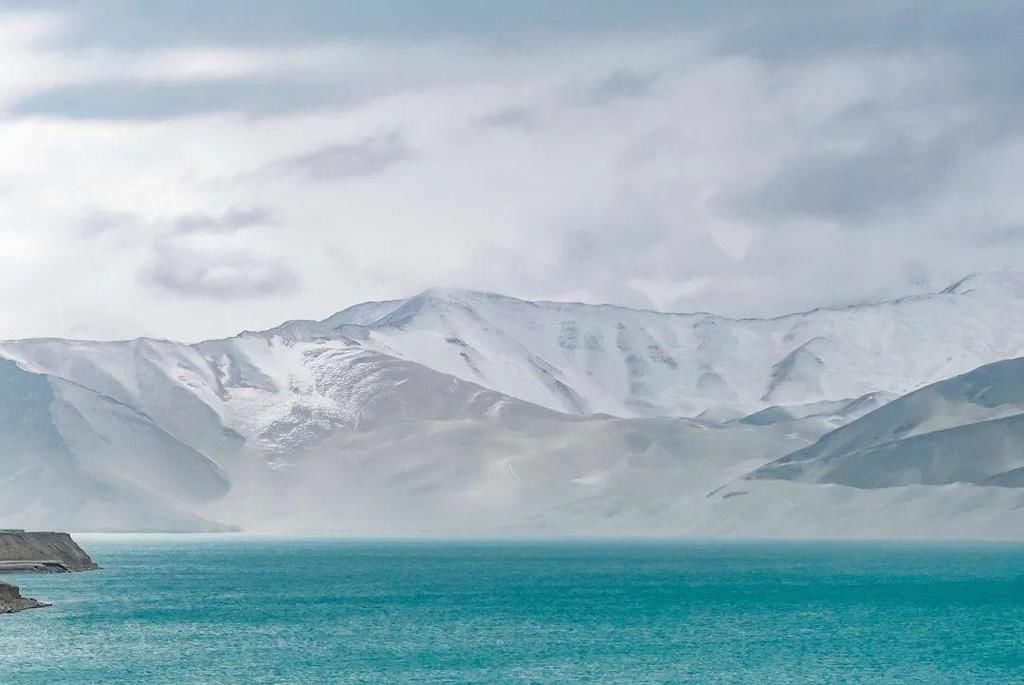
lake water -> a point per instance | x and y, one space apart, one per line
245 610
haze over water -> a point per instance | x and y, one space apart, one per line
231 609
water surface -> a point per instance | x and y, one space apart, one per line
249 610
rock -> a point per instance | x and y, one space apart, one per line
11 600
42 551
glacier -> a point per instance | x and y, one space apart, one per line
464 413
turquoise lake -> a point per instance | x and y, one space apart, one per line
253 610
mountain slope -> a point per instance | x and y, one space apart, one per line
498 476
259 392
73 456
967 429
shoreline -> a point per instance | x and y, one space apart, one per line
12 602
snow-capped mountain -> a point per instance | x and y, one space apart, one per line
456 410
584 359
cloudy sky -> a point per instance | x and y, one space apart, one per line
189 169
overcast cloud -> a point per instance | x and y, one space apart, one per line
192 169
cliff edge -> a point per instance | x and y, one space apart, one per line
41 551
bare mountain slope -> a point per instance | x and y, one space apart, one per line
967 429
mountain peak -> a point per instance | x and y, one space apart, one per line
444 293
466 295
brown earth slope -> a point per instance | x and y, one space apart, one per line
27 546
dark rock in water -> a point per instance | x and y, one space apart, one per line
11 600
41 551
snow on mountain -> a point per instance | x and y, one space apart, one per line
260 392
583 359
169 382
967 429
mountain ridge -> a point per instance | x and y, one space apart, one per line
459 311
444 293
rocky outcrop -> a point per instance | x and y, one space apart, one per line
41 551
47 552
11 600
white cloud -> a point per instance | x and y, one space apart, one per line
648 168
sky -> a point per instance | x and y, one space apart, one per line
189 169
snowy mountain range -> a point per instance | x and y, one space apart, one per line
458 412
584 359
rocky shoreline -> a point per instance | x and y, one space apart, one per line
11 600
36 552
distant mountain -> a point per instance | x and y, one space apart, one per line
967 429
946 461
463 411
